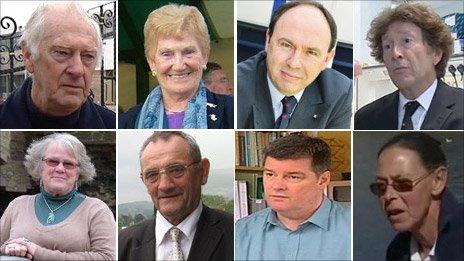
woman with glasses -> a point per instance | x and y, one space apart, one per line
59 223
411 187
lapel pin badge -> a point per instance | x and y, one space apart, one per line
315 116
211 105
213 117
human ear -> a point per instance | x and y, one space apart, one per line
204 170
27 58
324 179
439 181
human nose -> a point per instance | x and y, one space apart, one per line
390 193
294 59
397 52
60 167
165 181
75 66
279 184
179 63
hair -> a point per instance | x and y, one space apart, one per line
193 150
37 149
175 20
428 148
210 68
434 31
298 146
36 26
287 6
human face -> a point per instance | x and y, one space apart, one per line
292 188
410 61
178 63
59 180
408 210
297 51
219 83
64 67
174 197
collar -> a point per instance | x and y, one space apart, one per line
320 218
414 251
425 99
277 96
188 226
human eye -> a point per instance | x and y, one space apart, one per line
61 54
175 170
69 165
88 58
166 54
53 162
386 46
294 178
312 52
189 52
269 174
285 45
408 41
152 175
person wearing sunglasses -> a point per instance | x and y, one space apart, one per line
411 188
59 223
173 172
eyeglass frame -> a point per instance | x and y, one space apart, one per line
416 181
164 170
73 165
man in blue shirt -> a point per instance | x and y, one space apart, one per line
301 223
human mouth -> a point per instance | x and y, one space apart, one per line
179 75
289 75
394 213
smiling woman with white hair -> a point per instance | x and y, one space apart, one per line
177 50
59 223
61 46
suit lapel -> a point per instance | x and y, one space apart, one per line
439 110
146 249
214 113
263 114
309 109
387 115
207 236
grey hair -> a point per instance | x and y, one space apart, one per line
193 150
37 149
35 27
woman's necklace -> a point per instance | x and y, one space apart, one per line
51 215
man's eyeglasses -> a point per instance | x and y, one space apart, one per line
401 185
173 171
55 162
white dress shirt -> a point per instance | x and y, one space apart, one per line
419 115
277 96
188 227
414 251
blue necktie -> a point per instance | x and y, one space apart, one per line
410 108
289 104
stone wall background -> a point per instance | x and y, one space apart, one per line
14 180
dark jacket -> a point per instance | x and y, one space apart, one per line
213 240
325 104
15 114
224 113
450 234
446 111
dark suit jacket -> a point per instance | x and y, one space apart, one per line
213 240
224 113
446 112
15 114
325 104
450 234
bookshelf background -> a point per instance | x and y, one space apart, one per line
249 160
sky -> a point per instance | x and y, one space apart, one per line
216 145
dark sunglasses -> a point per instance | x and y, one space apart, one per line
402 185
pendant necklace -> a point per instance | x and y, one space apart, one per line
51 215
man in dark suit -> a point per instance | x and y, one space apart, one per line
415 45
183 228
288 85
411 187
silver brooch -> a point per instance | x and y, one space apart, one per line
213 117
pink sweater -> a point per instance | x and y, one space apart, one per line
89 233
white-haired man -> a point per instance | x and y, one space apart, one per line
61 46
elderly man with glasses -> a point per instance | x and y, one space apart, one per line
183 227
411 187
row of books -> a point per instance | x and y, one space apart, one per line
250 145
245 201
